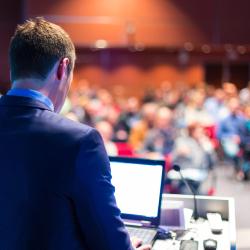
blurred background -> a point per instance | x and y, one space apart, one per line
160 79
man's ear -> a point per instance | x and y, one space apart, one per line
62 68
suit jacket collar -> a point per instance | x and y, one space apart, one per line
8 100
31 93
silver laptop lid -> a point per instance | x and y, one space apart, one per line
138 188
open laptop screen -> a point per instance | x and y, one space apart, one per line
138 185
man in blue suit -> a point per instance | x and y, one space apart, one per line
55 189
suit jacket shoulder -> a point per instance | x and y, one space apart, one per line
55 186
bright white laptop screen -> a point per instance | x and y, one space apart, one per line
137 187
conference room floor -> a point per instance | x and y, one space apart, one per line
227 185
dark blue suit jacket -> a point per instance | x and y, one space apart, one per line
55 189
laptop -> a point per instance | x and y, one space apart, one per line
138 191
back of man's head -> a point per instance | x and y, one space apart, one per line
35 48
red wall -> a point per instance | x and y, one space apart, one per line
10 14
134 72
156 23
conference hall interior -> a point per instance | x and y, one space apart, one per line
161 80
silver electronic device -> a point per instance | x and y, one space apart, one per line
138 191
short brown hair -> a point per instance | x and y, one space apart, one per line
35 48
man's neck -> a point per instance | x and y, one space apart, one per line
34 84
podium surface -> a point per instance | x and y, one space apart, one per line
200 230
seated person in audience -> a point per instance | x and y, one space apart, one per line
160 138
140 129
193 149
244 94
215 105
104 102
120 130
230 90
245 146
230 132
195 111
106 132
128 117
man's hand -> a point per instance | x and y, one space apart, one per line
137 244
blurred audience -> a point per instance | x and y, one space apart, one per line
175 122
193 149
215 105
140 129
245 145
128 117
160 138
230 132
195 110
244 94
106 132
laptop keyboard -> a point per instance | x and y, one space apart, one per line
147 235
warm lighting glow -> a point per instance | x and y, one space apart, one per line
206 48
241 49
101 44
188 46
